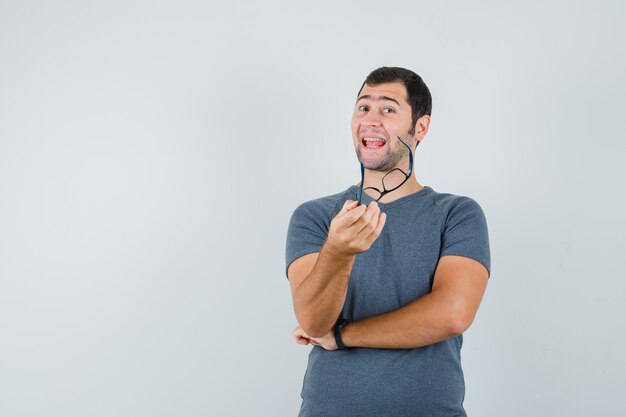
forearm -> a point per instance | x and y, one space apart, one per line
319 299
430 319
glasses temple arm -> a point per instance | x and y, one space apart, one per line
359 195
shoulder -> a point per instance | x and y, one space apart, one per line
323 207
453 204
465 231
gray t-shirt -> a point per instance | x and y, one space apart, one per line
397 269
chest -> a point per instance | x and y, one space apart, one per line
399 266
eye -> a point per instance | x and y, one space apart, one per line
388 110
362 108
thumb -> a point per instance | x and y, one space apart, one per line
347 206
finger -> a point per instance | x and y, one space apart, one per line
299 333
382 219
301 338
352 216
347 206
365 220
370 227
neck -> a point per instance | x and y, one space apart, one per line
375 179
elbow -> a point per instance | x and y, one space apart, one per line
457 326
312 327
314 331
459 322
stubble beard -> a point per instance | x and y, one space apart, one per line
386 162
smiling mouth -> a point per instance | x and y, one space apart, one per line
373 143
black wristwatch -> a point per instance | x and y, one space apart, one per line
340 325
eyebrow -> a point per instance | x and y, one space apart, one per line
377 99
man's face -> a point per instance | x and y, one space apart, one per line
380 114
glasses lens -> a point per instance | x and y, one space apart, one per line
374 193
393 179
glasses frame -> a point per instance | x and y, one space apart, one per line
385 191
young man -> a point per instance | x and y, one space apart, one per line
384 290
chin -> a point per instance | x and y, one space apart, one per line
377 165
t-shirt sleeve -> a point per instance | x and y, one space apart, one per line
465 233
306 233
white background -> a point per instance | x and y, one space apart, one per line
151 154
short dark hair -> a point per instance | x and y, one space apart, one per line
418 94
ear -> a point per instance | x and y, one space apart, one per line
421 127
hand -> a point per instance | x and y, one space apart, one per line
355 228
327 341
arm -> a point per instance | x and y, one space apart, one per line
319 281
446 312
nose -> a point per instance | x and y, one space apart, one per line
371 119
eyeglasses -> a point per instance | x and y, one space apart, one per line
392 177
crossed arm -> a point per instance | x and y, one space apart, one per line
322 279
458 288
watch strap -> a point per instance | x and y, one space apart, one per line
340 325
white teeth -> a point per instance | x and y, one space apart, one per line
377 140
